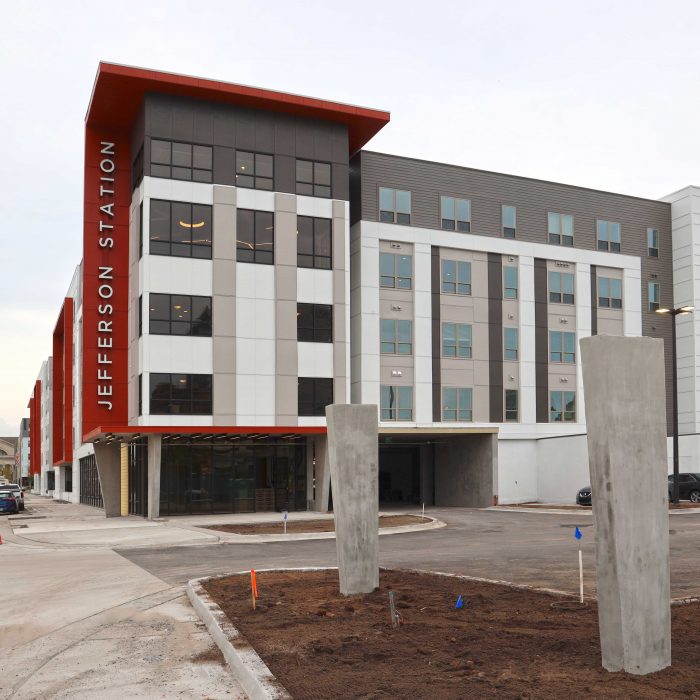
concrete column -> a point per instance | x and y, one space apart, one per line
623 380
124 479
109 472
323 474
354 467
154 450
466 470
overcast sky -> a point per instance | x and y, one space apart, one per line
599 94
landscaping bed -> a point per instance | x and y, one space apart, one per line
503 643
304 526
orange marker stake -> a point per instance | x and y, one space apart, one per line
253 586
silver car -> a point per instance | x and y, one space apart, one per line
18 491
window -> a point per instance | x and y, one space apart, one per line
177 314
560 228
181 161
609 293
313 178
456 277
511 404
140 381
608 233
455 214
394 206
396 403
395 271
654 296
456 404
456 340
508 216
255 236
180 229
510 282
140 230
139 311
254 170
315 323
314 394
652 243
314 248
561 287
181 394
562 347
510 343
562 406
396 337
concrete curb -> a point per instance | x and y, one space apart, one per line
232 538
255 677
570 511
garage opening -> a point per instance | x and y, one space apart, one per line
399 475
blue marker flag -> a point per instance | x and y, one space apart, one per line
460 603
578 534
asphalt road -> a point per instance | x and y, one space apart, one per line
533 548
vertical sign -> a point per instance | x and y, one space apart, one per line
105 280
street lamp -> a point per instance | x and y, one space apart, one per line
680 311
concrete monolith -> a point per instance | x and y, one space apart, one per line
626 418
353 461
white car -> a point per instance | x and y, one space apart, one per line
18 491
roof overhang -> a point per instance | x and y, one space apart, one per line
427 432
119 90
131 432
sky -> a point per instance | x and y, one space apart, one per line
597 94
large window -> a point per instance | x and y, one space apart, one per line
456 277
180 229
254 170
511 404
456 340
315 323
181 394
396 402
654 296
181 161
562 406
608 234
455 214
508 221
456 404
313 178
314 247
315 393
561 287
510 282
560 228
396 337
562 347
179 314
255 236
652 243
394 206
510 344
609 293
395 271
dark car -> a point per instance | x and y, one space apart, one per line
688 487
583 497
18 491
8 502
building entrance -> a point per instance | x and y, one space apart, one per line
399 474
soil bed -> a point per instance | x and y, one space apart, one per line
301 526
504 643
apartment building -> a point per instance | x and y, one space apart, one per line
246 263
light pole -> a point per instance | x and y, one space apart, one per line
680 311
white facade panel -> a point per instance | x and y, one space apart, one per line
175 354
314 286
315 359
164 274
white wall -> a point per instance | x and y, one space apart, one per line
517 471
562 468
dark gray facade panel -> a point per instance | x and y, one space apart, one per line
224 165
285 173
495 291
541 343
356 188
203 126
339 181
436 331
594 302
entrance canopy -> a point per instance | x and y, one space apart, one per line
194 433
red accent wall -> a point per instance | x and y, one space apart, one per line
62 394
35 430
105 300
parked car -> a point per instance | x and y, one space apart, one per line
8 502
688 487
18 491
583 497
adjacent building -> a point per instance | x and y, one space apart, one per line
246 262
